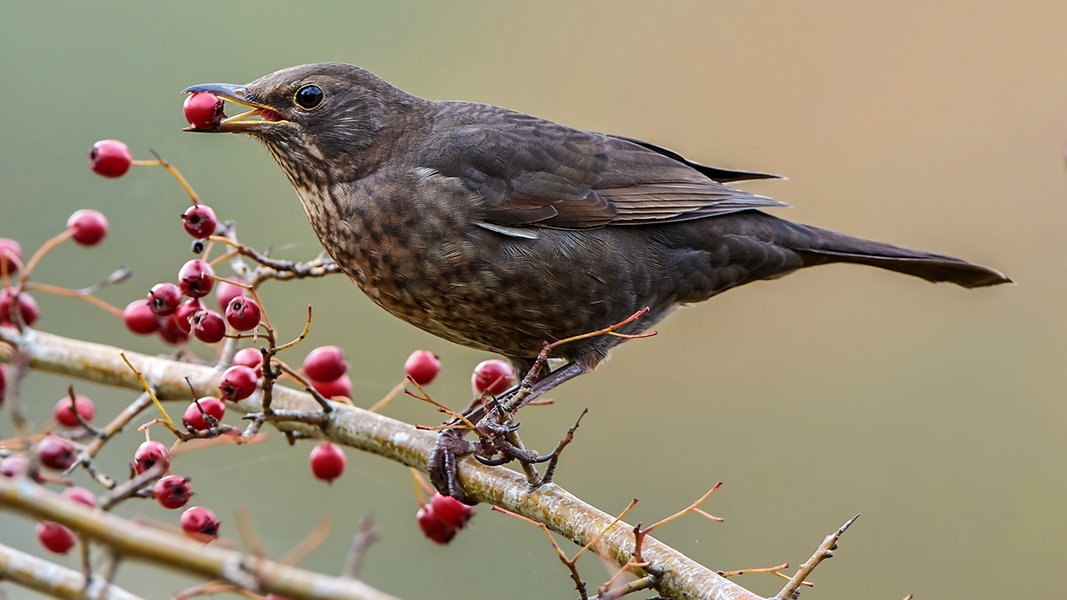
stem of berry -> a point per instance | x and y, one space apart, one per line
148 390
161 162
39 254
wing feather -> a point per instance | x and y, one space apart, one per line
534 173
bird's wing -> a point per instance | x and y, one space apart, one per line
533 172
716 173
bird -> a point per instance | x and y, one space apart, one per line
502 231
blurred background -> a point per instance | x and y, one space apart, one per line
936 412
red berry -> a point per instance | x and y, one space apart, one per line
10 256
251 358
238 383
65 416
172 491
493 376
148 454
164 298
342 386
80 495
195 417
110 158
242 314
185 311
325 363
433 527
208 326
327 461
451 511
204 111
422 366
171 332
139 318
17 465
87 227
55 537
199 221
226 291
56 453
200 524
28 310
196 278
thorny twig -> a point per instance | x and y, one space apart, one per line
571 562
824 551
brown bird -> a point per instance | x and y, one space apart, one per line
502 231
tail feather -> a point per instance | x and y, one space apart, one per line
830 247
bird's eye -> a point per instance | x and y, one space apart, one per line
308 97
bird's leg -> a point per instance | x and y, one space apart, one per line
494 422
449 446
495 426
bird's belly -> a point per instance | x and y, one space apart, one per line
488 291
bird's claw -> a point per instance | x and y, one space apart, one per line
449 446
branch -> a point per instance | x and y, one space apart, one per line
824 551
129 539
550 504
47 577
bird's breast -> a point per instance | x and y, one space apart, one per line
416 249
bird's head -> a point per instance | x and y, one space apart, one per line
324 116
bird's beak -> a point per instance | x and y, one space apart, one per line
260 117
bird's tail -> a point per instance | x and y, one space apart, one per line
829 247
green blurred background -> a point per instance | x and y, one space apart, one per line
938 413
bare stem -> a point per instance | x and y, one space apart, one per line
824 551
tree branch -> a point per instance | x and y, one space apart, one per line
47 577
176 552
681 577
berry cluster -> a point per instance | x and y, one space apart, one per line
326 369
72 415
57 453
442 517
175 311
17 307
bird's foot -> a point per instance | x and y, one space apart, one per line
492 420
498 444
450 446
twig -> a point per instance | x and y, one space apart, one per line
312 540
776 570
282 269
131 487
572 562
148 390
368 534
116 425
609 330
824 551
640 533
550 470
137 542
161 162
